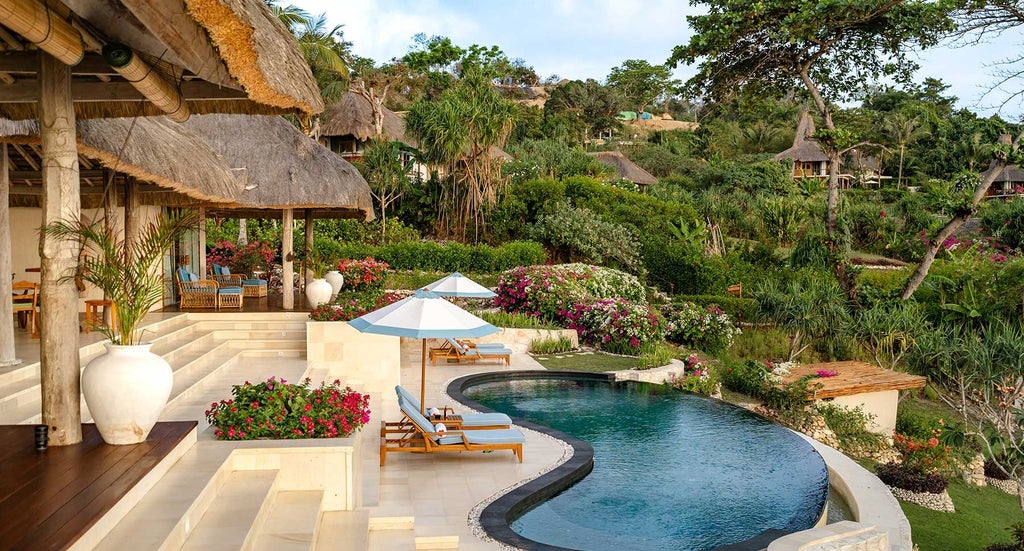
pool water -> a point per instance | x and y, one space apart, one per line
672 470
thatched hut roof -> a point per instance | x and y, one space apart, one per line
804 149
1009 173
281 168
352 115
152 149
625 168
225 56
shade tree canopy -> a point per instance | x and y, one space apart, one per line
642 83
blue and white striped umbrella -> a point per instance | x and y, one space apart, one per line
458 285
424 315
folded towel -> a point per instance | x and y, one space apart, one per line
433 412
440 429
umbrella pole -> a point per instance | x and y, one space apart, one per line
423 376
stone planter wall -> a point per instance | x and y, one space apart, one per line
519 339
936 502
371 363
1008 486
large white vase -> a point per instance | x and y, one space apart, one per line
318 292
336 280
126 390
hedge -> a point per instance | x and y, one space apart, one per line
448 257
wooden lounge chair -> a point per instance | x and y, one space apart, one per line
453 351
423 439
452 420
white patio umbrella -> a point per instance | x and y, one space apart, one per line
424 315
458 285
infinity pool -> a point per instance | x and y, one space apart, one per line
671 470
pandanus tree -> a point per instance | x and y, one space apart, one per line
457 132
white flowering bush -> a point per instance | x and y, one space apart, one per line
707 329
617 325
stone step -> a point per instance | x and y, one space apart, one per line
343 530
391 540
227 522
290 523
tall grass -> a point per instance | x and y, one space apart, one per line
514 321
551 346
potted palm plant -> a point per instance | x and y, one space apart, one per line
319 290
126 388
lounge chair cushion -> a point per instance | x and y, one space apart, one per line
216 269
499 436
470 420
229 291
487 352
490 345
254 282
225 271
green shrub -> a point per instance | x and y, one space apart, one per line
850 425
810 250
579 234
682 268
515 321
656 356
697 377
740 309
448 257
551 346
915 424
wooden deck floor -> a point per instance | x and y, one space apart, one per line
272 303
48 499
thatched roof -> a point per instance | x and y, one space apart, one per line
151 149
352 115
624 168
227 55
1010 173
863 162
804 149
281 168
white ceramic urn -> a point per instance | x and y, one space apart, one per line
126 390
336 280
318 292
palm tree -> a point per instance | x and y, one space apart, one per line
760 135
975 151
325 50
904 130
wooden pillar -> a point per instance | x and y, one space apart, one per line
307 274
58 296
131 209
202 242
109 220
287 254
8 355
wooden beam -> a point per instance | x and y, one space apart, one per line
158 89
12 43
58 347
6 78
26 189
8 355
29 159
28 63
287 253
85 91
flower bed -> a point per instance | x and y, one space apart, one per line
350 305
696 377
617 325
549 291
363 275
276 409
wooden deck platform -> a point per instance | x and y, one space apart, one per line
49 499
854 378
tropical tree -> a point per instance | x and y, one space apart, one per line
642 83
457 131
808 310
778 44
578 109
903 129
386 174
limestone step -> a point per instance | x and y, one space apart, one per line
228 520
291 522
391 540
343 530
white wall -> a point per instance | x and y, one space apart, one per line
25 223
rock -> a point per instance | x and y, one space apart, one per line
936 502
1008 486
974 473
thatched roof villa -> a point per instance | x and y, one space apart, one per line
624 168
809 161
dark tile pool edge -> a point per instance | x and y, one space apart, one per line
496 519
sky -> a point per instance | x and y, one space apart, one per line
579 39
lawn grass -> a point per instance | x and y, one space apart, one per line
982 517
595 362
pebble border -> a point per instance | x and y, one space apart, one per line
936 502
